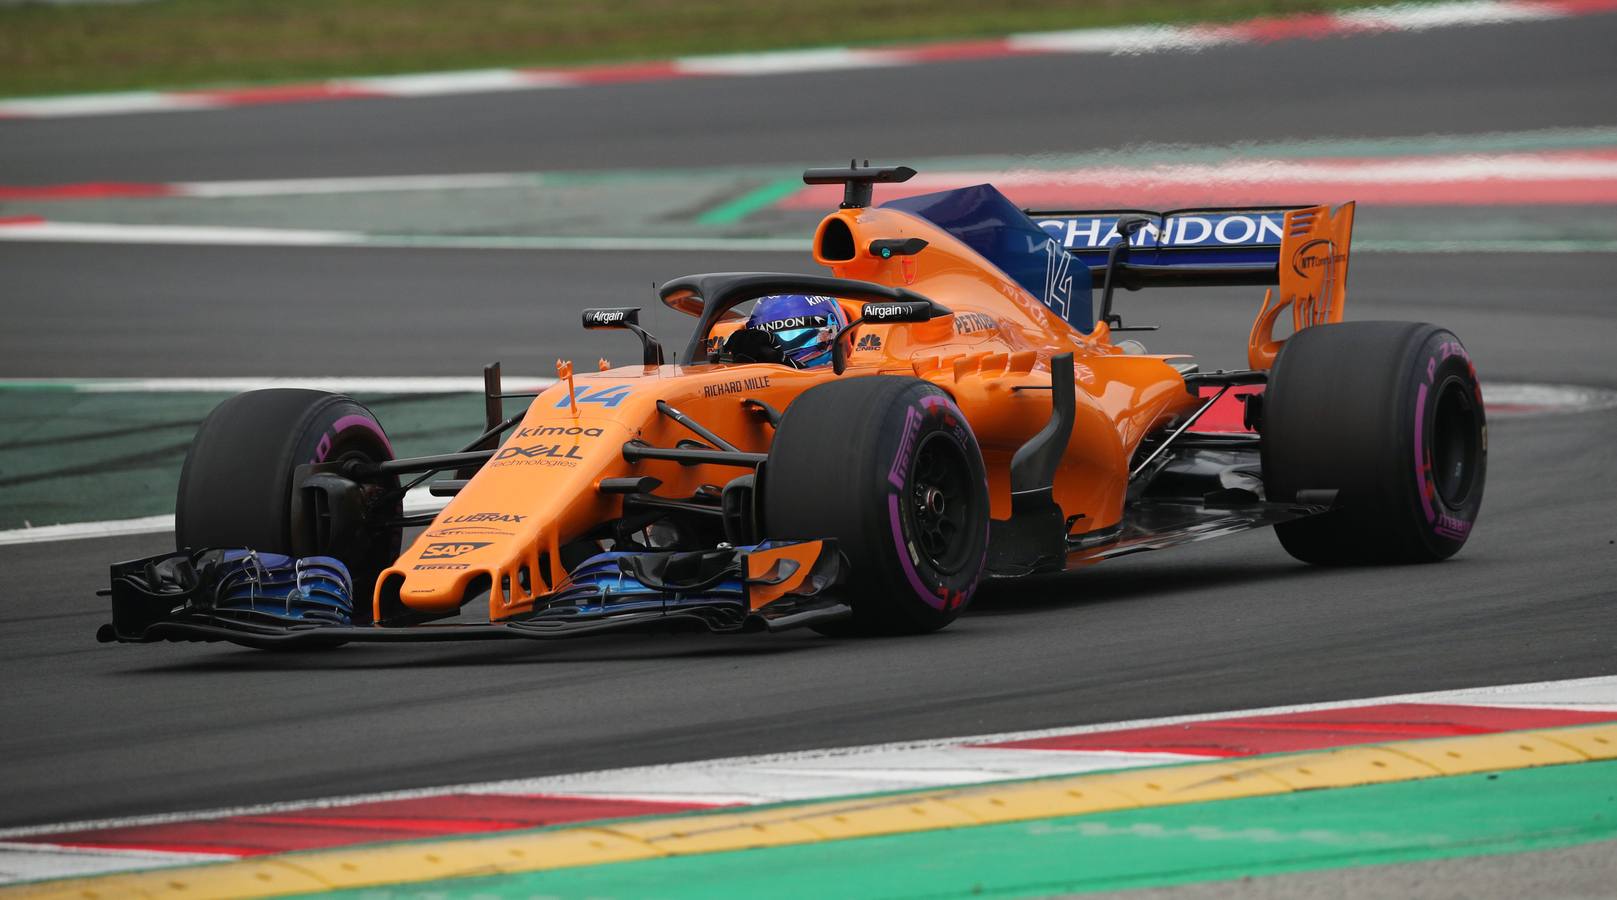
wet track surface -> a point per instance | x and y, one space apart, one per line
93 731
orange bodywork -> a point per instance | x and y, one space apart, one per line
540 490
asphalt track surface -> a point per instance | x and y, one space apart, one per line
92 731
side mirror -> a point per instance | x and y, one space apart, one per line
628 319
612 317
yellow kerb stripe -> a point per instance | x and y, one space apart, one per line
802 823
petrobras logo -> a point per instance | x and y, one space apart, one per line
1237 229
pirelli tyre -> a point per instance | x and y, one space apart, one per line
1390 416
236 486
888 467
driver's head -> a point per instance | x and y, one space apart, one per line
802 325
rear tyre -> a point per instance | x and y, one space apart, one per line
236 487
888 467
1390 415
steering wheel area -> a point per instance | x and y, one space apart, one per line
753 345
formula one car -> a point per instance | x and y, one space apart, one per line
950 404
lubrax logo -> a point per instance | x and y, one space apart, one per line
483 517
537 451
559 431
450 551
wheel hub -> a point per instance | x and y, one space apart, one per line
940 504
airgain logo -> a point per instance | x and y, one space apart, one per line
450 551
608 396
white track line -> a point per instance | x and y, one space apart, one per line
217 235
211 235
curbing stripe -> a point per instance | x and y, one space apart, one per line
804 823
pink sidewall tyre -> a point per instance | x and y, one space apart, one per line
1390 415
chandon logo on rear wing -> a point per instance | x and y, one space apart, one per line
1179 236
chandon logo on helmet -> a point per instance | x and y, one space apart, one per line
794 322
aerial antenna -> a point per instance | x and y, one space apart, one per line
858 182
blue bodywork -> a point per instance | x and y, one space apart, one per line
992 225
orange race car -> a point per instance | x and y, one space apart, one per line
855 453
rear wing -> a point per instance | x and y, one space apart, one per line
1301 250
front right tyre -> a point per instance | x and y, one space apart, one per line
888 467
236 486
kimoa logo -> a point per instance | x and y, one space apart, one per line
550 430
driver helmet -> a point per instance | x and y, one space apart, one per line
803 325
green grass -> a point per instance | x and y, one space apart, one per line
190 43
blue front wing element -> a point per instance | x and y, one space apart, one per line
316 590
601 585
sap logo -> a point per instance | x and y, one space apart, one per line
536 451
485 517
869 342
558 431
607 395
450 551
